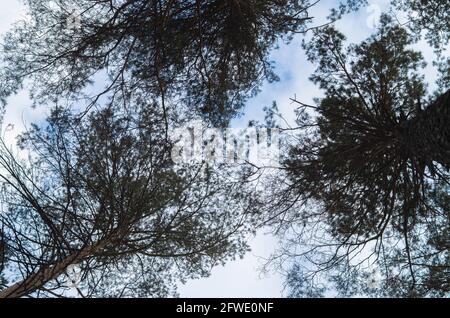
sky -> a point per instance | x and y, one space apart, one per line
241 278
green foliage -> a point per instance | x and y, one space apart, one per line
375 168
429 19
105 189
208 56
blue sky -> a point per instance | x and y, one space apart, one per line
241 278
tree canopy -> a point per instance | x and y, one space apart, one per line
99 189
371 172
103 194
202 56
94 205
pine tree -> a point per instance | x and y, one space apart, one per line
104 197
205 57
372 167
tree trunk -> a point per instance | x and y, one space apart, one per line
47 273
428 134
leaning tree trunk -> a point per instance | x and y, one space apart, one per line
48 273
428 134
